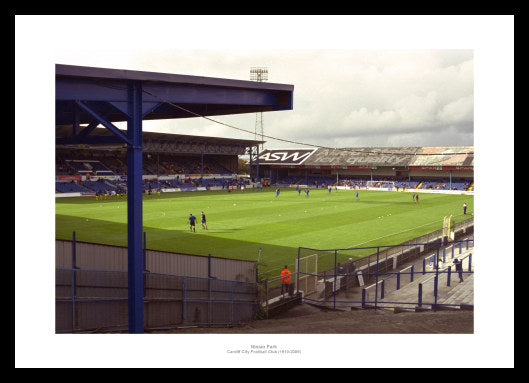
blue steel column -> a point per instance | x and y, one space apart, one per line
251 163
257 178
134 209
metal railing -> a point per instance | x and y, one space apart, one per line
396 280
368 282
97 301
349 275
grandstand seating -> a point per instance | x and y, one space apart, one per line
92 167
170 165
101 169
114 163
209 182
98 186
216 168
321 181
102 163
70 187
117 185
291 180
433 184
437 184
152 184
312 181
426 183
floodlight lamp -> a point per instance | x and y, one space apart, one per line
258 73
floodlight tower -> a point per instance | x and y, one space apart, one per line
259 74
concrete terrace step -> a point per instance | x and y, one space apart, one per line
406 298
456 294
463 293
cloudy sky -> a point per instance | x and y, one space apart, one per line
341 97
358 81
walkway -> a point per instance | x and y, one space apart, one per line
451 294
403 293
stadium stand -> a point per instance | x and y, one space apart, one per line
426 168
181 165
354 182
70 187
290 180
97 186
92 167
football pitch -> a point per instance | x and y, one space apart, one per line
258 226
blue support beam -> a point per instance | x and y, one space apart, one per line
134 209
87 130
93 96
105 122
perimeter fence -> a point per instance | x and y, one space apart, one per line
91 289
347 278
97 301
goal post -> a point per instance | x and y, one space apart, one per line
307 272
447 227
380 185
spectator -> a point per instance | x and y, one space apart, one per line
285 279
459 269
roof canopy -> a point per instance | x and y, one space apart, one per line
164 142
374 156
164 96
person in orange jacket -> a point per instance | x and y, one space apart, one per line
285 279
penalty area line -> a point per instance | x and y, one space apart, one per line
399 232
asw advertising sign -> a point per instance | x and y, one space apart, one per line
285 156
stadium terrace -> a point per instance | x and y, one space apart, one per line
173 162
445 168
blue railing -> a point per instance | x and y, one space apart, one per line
388 282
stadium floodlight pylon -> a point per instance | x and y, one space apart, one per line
259 74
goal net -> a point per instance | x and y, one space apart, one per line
380 185
308 273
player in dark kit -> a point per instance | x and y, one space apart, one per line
203 219
191 220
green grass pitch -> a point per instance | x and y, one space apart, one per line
241 223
